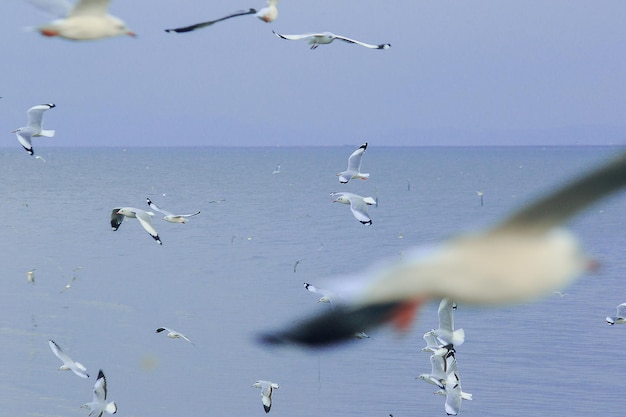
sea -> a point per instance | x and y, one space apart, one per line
237 270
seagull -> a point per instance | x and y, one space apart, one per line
295 265
34 128
560 294
435 345
322 38
119 213
327 296
277 170
267 387
266 14
99 404
68 363
446 333
526 256
480 194
620 317
86 20
173 334
358 205
438 373
30 276
169 217
453 392
354 166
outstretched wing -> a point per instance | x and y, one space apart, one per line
367 45
210 22
155 207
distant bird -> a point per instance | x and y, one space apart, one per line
267 388
277 170
526 256
86 20
620 316
295 265
119 213
34 128
99 404
354 166
327 296
480 194
322 38
68 364
266 14
169 217
173 334
446 332
358 205
560 294
30 276
361 335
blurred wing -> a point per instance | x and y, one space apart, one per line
564 203
621 310
91 8
210 22
58 8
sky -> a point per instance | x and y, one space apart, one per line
459 72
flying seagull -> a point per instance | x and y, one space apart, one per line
99 404
266 14
620 316
358 205
173 334
86 20
119 213
327 296
322 38
169 217
354 166
267 388
34 129
68 363
528 255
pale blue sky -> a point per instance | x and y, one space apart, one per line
459 72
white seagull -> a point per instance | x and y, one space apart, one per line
358 205
620 317
34 128
354 166
86 20
173 334
68 363
266 14
446 332
267 387
99 404
452 390
438 371
119 213
327 296
434 345
322 38
527 256
169 217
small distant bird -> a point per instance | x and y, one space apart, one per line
327 296
34 128
173 334
86 20
560 294
99 404
68 363
295 265
354 166
119 213
30 276
480 194
267 388
526 256
277 170
358 205
169 217
620 316
266 14
322 38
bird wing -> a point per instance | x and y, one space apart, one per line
567 201
367 45
359 210
146 223
23 136
116 219
56 349
297 37
155 207
446 317
100 388
210 22
354 161
621 310
35 115
188 215
58 8
90 8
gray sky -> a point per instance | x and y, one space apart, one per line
459 72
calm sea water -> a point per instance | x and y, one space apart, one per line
228 274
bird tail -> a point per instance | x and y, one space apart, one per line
46 133
343 322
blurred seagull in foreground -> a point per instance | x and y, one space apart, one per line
34 128
99 404
267 388
68 363
526 256
169 217
86 20
620 317
118 214
354 166
323 38
266 14
358 205
173 334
